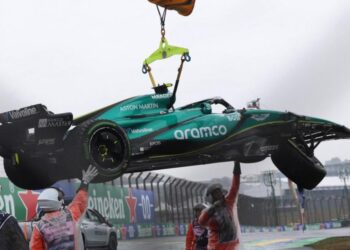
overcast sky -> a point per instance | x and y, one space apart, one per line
80 55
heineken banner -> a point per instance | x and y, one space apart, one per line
122 205
118 205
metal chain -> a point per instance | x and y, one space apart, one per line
162 18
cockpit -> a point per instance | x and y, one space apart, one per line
206 105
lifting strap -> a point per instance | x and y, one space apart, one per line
165 51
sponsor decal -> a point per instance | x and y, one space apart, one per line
29 200
146 207
268 148
144 230
260 117
139 130
22 113
131 201
131 231
144 106
53 123
7 203
168 230
234 117
110 207
155 143
161 96
202 132
47 141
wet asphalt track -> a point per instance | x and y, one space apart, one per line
251 241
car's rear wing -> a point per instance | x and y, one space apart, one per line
32 126
23 114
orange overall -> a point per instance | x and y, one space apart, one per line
227 214
58 229
196 232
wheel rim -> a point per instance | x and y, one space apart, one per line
106 147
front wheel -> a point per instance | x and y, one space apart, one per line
112 243
298 165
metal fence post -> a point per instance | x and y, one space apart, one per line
340 210
121 181
171 199
285 212
182 199
159 200
137 180
329 200
203 188
176 201
192 185
166 198
195 190
322 210
187 185
316 217
152 180
129 179
144 181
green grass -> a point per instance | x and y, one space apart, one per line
335 243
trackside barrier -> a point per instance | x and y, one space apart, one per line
135 231
289 228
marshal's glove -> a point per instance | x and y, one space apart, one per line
89 175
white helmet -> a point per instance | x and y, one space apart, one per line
48 200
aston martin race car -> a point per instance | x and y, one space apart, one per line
147 133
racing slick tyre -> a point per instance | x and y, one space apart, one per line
112 243
302 168
102 143
29 173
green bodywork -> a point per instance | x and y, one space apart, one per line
148 117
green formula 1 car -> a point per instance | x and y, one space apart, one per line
146 133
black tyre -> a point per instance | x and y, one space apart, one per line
112 243
102 143
28 173
295 163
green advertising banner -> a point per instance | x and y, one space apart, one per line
16 201
110 202
118 205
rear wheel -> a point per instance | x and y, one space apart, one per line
102 143
30 173
299 164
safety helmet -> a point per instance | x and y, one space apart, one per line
48 200
211 188
198 207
